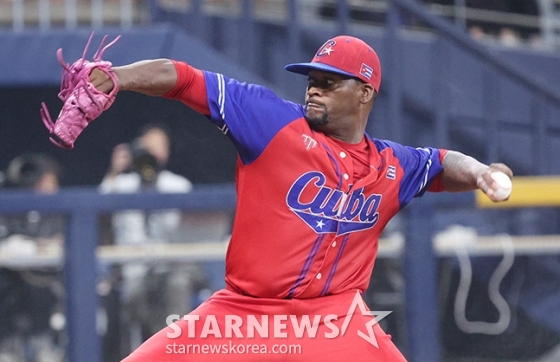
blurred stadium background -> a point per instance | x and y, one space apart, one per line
480 77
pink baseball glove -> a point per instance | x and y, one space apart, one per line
82 101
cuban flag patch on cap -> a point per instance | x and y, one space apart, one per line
366 71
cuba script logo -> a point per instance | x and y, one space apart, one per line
328 210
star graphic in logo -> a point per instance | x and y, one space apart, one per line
358 303
328 50
320 224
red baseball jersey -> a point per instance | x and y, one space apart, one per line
309 213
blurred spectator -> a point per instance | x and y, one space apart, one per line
150 292
509 37
39 173
30 299
34 171
507 34
480 28
477 33
141 166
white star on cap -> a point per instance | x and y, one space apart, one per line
328 50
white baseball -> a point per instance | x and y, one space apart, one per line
504 185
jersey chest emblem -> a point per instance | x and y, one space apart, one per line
328 210
308 141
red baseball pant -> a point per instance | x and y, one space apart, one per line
231 327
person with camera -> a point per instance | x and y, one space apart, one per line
140 166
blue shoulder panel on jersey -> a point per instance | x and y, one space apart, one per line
251 115
420 166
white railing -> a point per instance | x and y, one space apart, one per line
70 14
45 14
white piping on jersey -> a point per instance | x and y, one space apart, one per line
342 204
428 166
221 94
222 101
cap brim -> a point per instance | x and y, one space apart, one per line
305 68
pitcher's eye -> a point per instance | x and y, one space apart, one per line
325 83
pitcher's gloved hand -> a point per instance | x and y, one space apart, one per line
82 101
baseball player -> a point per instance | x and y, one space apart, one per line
314 192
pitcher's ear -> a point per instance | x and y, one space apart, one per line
368 93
